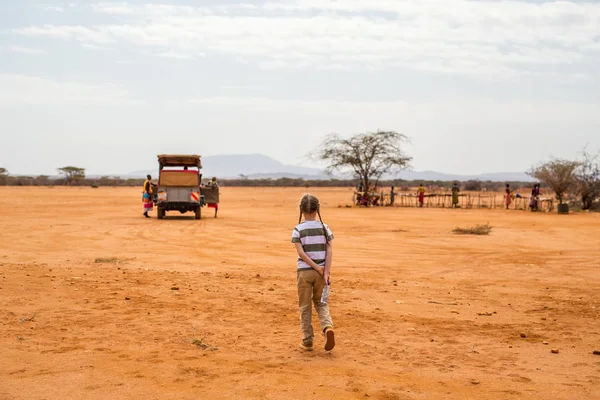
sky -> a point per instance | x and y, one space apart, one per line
478 86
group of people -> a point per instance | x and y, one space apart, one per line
362 198
534 200
455 190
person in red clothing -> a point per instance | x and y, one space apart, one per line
507 196
213 183
421 193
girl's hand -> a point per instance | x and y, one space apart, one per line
326 277
321 270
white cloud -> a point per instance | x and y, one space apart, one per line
481 38
28 90
90 46
48 7
24 50
176 55
444 109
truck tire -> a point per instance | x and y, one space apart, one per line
198 212
160 213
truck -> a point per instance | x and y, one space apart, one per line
179 185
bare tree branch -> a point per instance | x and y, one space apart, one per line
369 155
588 178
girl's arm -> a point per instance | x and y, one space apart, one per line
307 259
328 260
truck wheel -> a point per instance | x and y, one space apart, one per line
198 212
160 213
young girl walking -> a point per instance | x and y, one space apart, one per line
312 239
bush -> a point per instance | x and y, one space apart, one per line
558 174
474 230
473 186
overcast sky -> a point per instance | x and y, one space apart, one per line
479 86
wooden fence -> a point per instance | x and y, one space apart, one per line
466 200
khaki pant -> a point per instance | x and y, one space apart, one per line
310 288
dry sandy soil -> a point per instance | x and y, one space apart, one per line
88 308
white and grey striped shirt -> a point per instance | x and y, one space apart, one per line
312 237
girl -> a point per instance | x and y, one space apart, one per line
312 239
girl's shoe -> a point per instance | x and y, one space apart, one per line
329 339
304 347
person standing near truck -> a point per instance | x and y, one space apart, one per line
147 196
213 184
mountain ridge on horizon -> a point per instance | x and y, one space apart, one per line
257 166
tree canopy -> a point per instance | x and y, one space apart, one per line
367 155
588 178
558 174
72 173
3 176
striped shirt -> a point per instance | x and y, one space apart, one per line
310 234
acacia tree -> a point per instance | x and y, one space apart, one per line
588 179
368 155
72 174
558 174
42 180
4 175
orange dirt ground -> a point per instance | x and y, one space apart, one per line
420 313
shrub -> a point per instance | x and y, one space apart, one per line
474 230
473 186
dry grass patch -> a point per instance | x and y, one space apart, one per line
474 230
107 260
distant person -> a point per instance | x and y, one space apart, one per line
375 198
361 195
535 197
507 196
147 196
312 239
421 193
455 191
392 196
213 184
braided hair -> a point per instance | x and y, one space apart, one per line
309 204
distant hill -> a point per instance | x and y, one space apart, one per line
250 165
257 166
438 176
